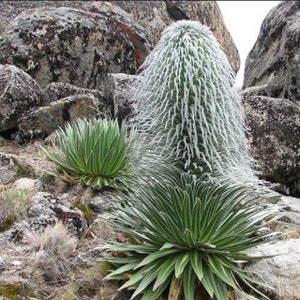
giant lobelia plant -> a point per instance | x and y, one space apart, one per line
187 238
187 109
184 235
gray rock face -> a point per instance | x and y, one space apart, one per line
48 209
282 272
273 65
8 168
46 119
274 128
18 94
156 15
67 45
59 90
120 89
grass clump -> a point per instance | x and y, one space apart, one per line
94 153
14 206
16 291
52 252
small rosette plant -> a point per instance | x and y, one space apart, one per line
93 152
186 237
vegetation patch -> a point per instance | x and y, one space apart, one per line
16 291
94 153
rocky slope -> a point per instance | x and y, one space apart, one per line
58 64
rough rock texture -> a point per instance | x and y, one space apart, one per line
273 63
282 272
68 45
18 94
58 90
32 185
156 15
274 128
48 209
2 25
113 96
135 33
46 119
119 88
8 168
291 210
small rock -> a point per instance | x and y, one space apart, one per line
32 185
48 209
8 168
2 264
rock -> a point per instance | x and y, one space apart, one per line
67 45
274 135
113 98
156 15
32 185
45 120
10 10
290 211
134 32
48 209
58 90
101 202
273 62
2 25
8 168
120 89
19 94
282 272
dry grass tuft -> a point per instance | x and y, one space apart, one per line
53 250
14 205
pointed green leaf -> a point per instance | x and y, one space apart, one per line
189 283
197 264
181 262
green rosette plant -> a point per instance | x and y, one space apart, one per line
94 153
186 237
187 110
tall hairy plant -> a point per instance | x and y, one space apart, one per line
187 109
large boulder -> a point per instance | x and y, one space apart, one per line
67 45
274 135
19 93
273 63
156 15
